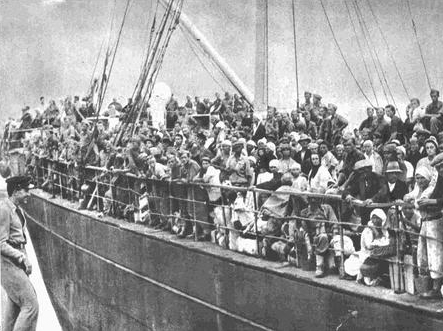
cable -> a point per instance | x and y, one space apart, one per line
389 50
376 55
370 50
295 52
414 28
361 52
342 55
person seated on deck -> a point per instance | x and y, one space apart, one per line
368 264
316 225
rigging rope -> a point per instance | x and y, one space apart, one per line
194 50
295 53
342 55
361 52
414 28
389 50
102 96
370 41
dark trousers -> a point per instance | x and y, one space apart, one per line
19 305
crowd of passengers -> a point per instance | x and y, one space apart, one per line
311 149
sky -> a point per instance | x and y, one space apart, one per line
49 48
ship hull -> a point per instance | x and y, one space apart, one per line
106 274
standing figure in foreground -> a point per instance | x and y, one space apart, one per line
20 311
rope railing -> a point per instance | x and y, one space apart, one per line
177 201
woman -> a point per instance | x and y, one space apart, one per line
319 176
373 238
431 147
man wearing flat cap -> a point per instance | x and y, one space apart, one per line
365 185
20 311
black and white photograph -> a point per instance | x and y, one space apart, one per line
221 165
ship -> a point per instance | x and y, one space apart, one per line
104 273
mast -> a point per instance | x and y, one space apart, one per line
261 57
204 44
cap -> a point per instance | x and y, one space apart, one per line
313 145
226 142
393 167
220 125
206 158
362 164
251 143
237 143
274 163
317 96
396 142
308 93
433 90
17 183
304 136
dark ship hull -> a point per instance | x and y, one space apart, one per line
107 274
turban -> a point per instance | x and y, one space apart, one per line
423 171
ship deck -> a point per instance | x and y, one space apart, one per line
404 301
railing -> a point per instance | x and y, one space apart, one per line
178 206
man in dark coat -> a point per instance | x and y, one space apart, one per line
365 185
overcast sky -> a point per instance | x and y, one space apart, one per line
49 47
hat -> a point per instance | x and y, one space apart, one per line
274 163
226 142
435 91
155 151
17 183
317 96
379 213
206 158
220 125
304 136
362 164
252 159
294 166
401 149
393 167
423 171
396 142
313 145
237 144
306 92
201 135
251 143
432 140
262 141
438 160
423 132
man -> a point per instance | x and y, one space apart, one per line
433 113
365 185
352 156
373 156
299 182
338 123
303 156
381 125
307 105
315 110
258 129
368 123
238 167
397 189
430 242
21 308
316 230
397 127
